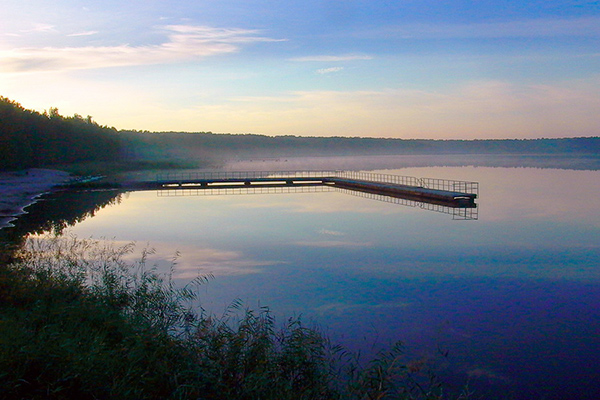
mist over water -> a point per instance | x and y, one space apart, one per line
391 162
511 297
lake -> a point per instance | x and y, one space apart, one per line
512 296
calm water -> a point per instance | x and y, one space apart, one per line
513 296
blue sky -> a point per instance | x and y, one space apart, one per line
406 69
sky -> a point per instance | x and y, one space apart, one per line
444 69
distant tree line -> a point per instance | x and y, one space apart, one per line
180 144
31 139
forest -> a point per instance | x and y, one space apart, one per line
206 144
32 139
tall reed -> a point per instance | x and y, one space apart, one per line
78 321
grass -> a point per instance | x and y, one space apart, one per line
78 321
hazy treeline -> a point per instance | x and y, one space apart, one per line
206 144
30 139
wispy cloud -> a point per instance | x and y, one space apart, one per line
37 27
86 33
183 42
193 262
330 232
331 58
323 71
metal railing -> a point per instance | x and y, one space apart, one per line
457 213
182 176
376 177
243 191
429 183
450 185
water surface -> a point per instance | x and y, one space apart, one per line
512 296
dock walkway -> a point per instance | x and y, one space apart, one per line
418 193
442 191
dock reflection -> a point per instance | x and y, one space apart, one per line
458 211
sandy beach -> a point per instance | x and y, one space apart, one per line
18 189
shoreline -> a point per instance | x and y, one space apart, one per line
19 189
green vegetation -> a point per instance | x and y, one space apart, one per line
78 144
30 139
227 146
77 321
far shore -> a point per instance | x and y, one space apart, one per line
19 189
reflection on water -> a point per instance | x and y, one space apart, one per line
512 297
243 190
56 212
465 211
459 211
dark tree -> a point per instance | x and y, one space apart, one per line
30 139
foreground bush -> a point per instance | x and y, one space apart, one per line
77 321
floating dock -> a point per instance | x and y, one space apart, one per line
417 193
445 192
